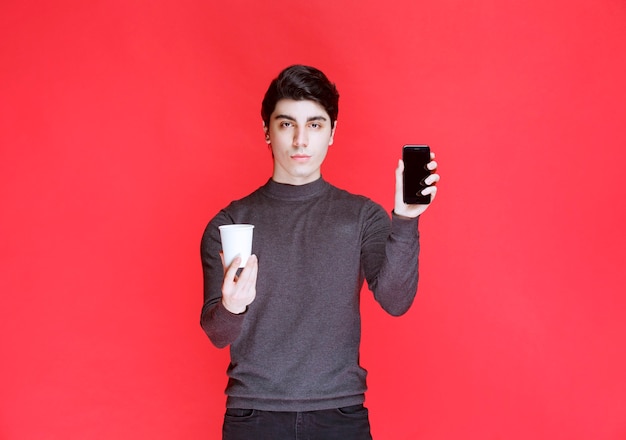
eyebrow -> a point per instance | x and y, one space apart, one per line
309 119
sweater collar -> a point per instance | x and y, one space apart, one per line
285 191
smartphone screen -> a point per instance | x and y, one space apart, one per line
415 158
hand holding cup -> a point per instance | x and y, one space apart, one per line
238 291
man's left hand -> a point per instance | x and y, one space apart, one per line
412 211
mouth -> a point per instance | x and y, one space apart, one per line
300 157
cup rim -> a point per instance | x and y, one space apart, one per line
236 226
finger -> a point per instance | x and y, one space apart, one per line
224 268
399 171
432 165
231 272
432 179
250 267
432 190
246 284
247 278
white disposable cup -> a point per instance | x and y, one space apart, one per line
236 240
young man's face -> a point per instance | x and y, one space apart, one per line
299 134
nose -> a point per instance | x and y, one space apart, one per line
300 138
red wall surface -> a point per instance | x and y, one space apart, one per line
125 126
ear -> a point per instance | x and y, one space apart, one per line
267 133
332 134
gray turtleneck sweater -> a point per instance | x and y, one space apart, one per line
296 348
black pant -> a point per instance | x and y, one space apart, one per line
349 423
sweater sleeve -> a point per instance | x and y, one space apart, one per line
390 260
221 326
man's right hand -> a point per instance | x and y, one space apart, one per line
238 292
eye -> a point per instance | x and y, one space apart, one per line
316 125
286 124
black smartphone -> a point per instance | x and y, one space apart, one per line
415 158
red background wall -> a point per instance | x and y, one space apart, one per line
124 126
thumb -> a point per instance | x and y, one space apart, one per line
399 172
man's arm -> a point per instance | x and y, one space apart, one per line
226 295
390 256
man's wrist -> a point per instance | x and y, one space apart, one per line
401 216
234 311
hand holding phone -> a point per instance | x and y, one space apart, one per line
416 159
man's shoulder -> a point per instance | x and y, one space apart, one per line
248 198
354 201
348 195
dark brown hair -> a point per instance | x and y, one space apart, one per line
299 83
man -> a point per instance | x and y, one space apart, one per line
291 316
